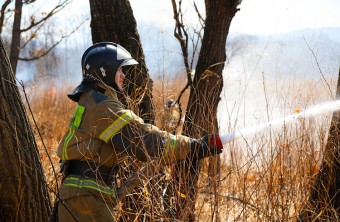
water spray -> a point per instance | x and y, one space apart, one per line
312 111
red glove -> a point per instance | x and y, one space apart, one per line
208 145
215 140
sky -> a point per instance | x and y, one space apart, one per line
276 16
254 17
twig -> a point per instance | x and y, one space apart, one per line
317 63
134 180
52 47
252 206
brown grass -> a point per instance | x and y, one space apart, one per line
266 179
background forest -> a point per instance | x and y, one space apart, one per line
268 173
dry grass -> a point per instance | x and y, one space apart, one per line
263 179
52 111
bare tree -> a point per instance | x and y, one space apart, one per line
205 89
324 199
17 43
23 188
207 83
114 21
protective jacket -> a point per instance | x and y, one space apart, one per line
102 132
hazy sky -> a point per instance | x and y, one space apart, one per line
272 16
256 16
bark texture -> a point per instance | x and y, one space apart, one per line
114 21
201 116
23 188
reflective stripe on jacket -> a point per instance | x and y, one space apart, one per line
80 182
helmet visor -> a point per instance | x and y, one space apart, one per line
125 56
128 62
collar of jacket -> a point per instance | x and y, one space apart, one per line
109 91
85 87
76 92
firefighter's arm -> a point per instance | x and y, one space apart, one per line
128 133
146 142
152 142
208 145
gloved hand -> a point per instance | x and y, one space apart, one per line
208 145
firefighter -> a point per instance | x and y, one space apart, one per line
102 133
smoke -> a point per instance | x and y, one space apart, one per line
269 77
247 133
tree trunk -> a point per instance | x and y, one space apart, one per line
324 200
114 21
201 116
23 189
16 32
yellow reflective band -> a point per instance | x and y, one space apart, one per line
90 184
169 146
181 194
77 116
115 126
66 142
74 123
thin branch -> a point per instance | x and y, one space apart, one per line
2 13
195 45
201 19
55 10
53 46
183 40
317 63
27 2
251 206
183 37
33 35
179 27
